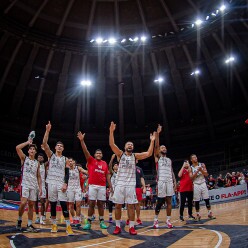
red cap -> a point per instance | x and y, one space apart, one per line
246 122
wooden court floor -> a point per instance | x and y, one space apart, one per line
229 229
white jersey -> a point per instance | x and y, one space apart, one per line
56 172
74 179
164 169
113 179
199 178
43 174
29 173
126 174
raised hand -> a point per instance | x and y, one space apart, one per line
159 129
48 126
30 141
80 136
112 126
153 136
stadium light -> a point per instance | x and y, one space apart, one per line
159 80
85 83
99 40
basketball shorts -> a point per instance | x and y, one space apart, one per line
55 193
165 189
74 195
200 192
97 192
44 193
30 194
139 192
125 194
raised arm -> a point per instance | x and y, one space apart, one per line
111 163
112 144
180 173
45 140
156 150
82 170
20 147
148 153
83 145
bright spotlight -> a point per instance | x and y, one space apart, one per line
85 83
207 17
130 39
99 40
222 8
91 41
112 40
198 22
196 72
230 60
135 39
143 38
159 80
123 40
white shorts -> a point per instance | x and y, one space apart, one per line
97 192
200 192
30 194
125 194
43 196
165 189
74 195
55 193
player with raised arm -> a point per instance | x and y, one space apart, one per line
166 180
98 175
30 179
126 178
57 181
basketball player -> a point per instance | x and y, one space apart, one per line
98 174
166 180
113 168
197 173
126 178
148 196
186 190
30 180
74 190
40 220
57 180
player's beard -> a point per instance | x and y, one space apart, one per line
129 150
163 152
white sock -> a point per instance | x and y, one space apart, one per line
29 222
131 224
37 216
67 222
168 218
209 211
198 213
118 223
19 217
156 217
54 221
110 215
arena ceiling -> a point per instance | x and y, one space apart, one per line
48 47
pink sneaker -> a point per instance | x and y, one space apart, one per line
155 224
169 225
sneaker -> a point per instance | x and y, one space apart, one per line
210 216
127 222
31 229
74 222
37 221
139 222
93 217
198 217
191 217
42 222
155 224
117 230
132 231
110 220
87 226
19 225
169 225
102 225
77 223
54 228
181 218
69 231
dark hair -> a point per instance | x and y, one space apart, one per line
59 142
115 164
191 156
98 150
128 142
41 154
32 145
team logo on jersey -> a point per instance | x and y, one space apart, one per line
99 166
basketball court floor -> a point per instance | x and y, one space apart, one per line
229 229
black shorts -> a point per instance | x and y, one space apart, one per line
148 198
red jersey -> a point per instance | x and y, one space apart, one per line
98 171
185 182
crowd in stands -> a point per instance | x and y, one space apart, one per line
10 184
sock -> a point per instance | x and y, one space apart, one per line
54 221
118 223
156 217
89 219
29 222
198 213
101 218
110 215
37 216
19 217
67 222
131 224
209 211
168 217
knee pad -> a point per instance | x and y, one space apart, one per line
53 208
64 209
207 203
197 205
160 203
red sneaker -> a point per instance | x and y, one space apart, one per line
132 231
127 222
139 222
169 225
117 230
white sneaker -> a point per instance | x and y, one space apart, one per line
42 222
155 224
